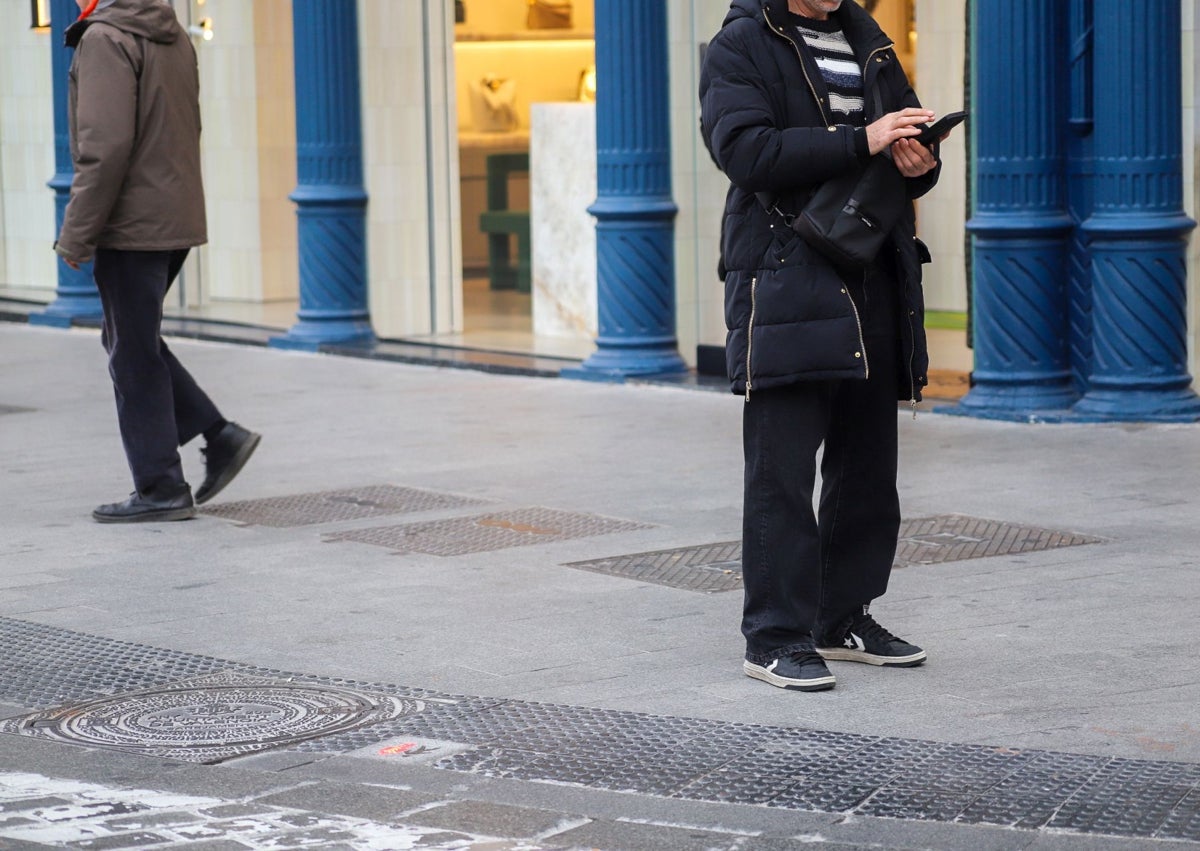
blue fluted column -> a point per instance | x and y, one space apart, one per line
635 216
330 198
1021 225
1082 59
1138 228
76 295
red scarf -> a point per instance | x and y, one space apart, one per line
91 7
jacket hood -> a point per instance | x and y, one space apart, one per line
856 20
150 19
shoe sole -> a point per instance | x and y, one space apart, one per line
845 654
235 467
760 673
146 516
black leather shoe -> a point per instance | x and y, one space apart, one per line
141 508
224 457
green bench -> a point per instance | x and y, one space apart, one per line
501 223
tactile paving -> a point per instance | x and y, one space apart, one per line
114 697
308 509
487 532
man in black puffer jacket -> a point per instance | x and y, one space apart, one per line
793 93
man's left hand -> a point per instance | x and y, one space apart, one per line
912 158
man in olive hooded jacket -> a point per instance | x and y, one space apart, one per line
136 209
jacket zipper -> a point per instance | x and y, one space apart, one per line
912 351
750 331
862 343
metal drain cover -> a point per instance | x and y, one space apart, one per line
711 567
335 506
214 718
489 532
922 540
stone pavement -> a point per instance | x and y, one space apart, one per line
448 609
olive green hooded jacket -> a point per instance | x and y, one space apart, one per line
134 116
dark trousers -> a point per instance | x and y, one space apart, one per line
159 405
805 570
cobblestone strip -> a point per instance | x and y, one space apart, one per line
58 813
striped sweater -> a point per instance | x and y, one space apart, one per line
840 70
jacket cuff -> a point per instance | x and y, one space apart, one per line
81 256
861 146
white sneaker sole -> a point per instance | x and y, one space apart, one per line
758 672
845 654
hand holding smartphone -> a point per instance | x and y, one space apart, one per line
932 132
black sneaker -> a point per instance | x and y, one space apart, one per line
803 670
861 639
224 457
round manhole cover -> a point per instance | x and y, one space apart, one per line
213 722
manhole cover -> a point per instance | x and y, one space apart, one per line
214 718
335 506
488 532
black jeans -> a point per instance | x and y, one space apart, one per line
159 405
803 570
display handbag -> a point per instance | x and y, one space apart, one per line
494 105
549 15
849 217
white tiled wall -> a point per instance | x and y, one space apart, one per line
941 214
26 162
232 266
698 187
409 133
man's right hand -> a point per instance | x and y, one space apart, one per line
896 125
74 264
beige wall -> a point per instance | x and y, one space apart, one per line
26 161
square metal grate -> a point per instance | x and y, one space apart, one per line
712 567
924 540
487 532
956 537
307 509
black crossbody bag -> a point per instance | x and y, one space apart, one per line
848 218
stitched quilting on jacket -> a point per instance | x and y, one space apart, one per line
134 118
765 121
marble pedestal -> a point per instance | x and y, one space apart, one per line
562 185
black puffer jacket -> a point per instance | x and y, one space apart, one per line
765 122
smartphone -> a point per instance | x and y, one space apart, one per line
932 132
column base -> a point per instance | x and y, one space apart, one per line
1164 406
62 312
308 336
617 364
1015 403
